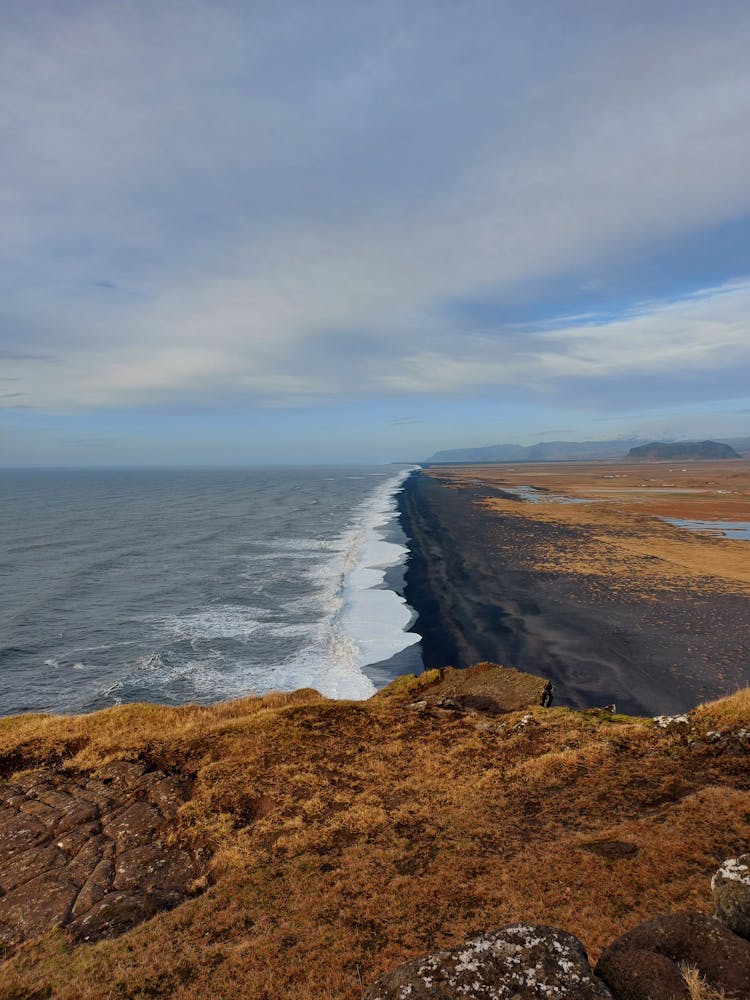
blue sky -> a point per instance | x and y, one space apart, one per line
250 232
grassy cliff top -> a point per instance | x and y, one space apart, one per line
341 838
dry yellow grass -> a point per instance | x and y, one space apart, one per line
726 713
347 837
710 490
697 986
621 524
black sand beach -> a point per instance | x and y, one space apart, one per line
477 599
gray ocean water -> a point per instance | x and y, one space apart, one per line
194 585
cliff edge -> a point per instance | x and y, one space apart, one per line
294 846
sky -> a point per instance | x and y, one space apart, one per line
254 232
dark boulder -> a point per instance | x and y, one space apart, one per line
644 964
636 974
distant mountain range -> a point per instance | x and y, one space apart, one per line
682 449
560 451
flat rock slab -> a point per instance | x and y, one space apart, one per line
89 852
644 964
523 962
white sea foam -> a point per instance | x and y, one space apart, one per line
352 619
77 665
204 675
227 621
365 622
109 692
298 546
152 661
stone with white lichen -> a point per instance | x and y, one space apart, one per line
731 888
672 722
521 962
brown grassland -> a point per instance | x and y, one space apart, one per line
621 519
347 837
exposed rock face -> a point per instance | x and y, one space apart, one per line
523 962
644 963
731 889
88 852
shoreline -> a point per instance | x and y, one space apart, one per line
475 582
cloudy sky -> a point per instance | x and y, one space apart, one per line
329 231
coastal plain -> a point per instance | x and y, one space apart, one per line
570 570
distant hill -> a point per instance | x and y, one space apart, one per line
740 444
546 451
682 449
562 451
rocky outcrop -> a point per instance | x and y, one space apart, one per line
731 889
647 962
487 687
522 962
89 851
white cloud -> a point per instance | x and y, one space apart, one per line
285 205
702 333
706 331
699 334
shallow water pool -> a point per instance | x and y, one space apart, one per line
738 530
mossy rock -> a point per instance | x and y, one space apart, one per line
486 687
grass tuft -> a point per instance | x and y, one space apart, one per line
698 988
724 713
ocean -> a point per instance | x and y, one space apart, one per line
199 585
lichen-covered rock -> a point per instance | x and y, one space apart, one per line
672 722
522 962
731 888
644 964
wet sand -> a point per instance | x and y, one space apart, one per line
602 597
